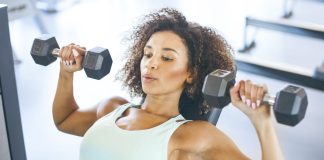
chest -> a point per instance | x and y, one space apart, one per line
131 121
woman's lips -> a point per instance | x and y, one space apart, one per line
148 78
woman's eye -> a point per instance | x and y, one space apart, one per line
166 58
147 55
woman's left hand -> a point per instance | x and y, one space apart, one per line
248 98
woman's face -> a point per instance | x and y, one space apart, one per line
164 67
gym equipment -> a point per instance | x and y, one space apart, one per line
18 9
306 78
290 73
22 8
282 25
54 6
289 104
215 90
96 63
12 145
216 87
319 72
288 8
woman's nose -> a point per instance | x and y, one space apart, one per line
152 63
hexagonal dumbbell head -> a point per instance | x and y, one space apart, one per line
290 105
216 87
97 62
42 48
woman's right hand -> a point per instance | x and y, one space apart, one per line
71 57
247 97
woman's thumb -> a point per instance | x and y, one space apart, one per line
77 57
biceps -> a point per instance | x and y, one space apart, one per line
78 122
109 105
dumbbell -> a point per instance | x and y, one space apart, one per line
289 104
216 92
96 63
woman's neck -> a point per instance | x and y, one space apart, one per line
162 105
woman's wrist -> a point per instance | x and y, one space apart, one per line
264 124
65 74
267 135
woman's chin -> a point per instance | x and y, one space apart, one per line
151 91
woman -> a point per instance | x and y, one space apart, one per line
166 66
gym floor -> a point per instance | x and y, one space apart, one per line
106 22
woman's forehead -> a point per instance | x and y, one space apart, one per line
166 39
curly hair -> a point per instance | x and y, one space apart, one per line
207 51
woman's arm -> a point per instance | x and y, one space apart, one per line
67 115
64 103
202 141
247 97
269 142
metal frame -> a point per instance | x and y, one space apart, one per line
288 8
292 74
289 5
9 93
283 25
282 71
54 6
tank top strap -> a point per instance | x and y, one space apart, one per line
121 109
166 130
179 119
117 112
172 124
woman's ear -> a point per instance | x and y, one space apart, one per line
190 78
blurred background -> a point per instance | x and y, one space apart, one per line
106 23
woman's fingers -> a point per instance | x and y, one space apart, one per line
69 56
235 97
78 59
63 54
242 91
254 95
254 91
72 57
81 50
248 92
261 93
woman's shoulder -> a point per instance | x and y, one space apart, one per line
110 104
199 137
198 129
202 139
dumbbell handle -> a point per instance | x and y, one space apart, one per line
269 99
214 115
56 52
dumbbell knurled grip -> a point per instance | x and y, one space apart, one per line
269 99
56 52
